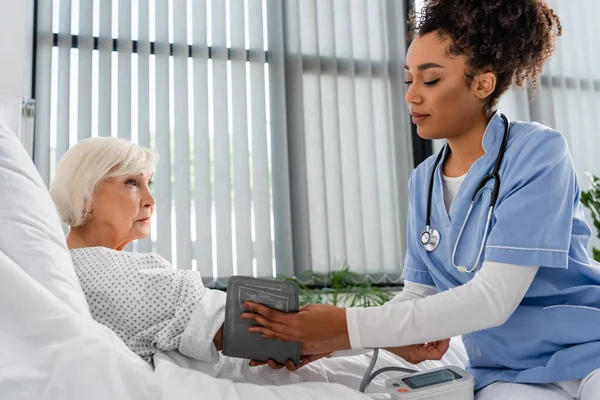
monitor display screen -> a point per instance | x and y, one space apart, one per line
431 378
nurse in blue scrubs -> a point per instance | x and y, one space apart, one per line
496 236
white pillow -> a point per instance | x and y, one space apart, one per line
30 230
49 351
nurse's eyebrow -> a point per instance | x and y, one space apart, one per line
425 66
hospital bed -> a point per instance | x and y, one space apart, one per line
51 348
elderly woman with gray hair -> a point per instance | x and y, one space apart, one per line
102 191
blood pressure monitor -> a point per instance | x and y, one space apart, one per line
448 383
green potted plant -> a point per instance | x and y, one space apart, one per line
591 200
342 288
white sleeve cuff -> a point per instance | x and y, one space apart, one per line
412 291
207 318
350 353
352 323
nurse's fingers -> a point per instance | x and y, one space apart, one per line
435 350
303 361
254 363
259 319
442 345
306 359
267 333
272 363
266 312
291 366
438 344
275 365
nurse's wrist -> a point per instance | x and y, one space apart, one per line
341 339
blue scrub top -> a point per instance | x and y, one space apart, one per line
554 334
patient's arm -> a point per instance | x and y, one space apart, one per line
150 305
218 339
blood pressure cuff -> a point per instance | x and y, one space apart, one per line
237 342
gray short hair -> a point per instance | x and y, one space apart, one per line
85 165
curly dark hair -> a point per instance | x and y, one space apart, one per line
511 38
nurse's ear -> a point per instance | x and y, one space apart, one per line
483 85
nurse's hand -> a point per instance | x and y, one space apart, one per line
290 365
313 323
418 353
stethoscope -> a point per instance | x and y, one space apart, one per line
430 238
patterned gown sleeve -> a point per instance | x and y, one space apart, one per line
150 305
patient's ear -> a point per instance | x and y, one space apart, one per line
88 207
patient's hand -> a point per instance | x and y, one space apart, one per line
417 353
218 339
312 351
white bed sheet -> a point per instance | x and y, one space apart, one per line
182 383
347 371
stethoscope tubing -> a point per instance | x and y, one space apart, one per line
430 233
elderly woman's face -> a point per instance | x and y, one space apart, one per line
122 207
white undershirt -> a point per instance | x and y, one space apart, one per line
421 314
451 186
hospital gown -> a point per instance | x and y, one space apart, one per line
150 305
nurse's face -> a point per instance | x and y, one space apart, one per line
439 99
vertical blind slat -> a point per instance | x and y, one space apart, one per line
366 147
124 50
202 160
587 60
593 62
388 212
64 80
143 74
297 158
260 157
331 134
182 136
143 95
319 242
222 174
279 143
241 154
163 131
43 90
85 44
402 157
349 142
105 47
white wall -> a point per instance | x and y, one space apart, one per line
16 47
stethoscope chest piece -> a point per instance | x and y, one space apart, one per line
430 239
